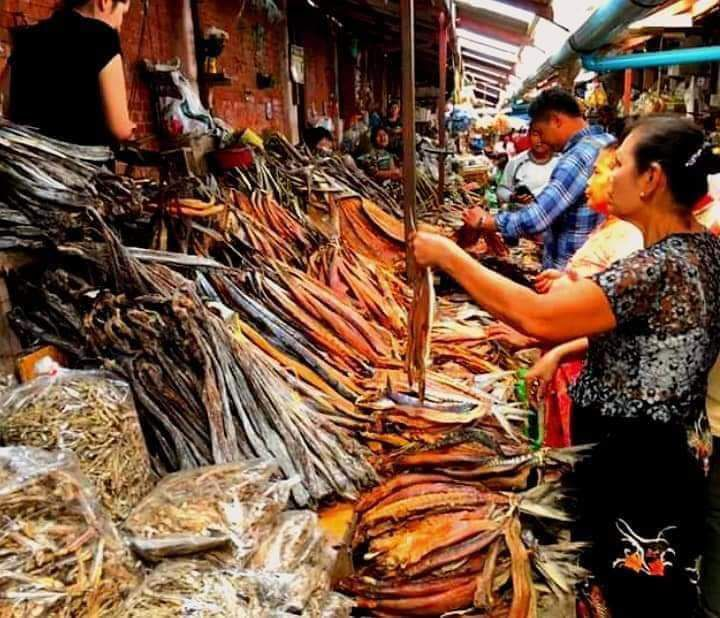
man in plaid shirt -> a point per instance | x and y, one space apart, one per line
560 211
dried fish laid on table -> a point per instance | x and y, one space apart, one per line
93 415
360 234
375 289
52 182
59 553
425 544
214 507
292 227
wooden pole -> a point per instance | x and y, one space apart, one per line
442 55
407 27
627 92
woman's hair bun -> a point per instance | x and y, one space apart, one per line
708 161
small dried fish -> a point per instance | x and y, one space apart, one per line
212 507
93 415
191 587
59 554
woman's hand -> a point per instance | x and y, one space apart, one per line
542 372
502 333
545 281
431 249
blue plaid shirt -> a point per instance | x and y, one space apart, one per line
560 212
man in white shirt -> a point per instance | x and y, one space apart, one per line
530 170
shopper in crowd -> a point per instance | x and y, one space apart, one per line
559 212
66 77
380 163
526 174
652 322
319 140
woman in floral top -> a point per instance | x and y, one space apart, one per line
652 322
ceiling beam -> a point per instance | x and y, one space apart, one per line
488 50
488 29
477 65
494 62
492 80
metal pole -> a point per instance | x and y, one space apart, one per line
407 22
443 42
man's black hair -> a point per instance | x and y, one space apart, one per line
554 100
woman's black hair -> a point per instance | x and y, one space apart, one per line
375 131
678 146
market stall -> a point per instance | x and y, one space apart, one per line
232 390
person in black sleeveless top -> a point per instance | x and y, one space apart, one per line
65 76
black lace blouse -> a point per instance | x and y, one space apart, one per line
655 364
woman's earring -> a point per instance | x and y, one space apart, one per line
642 194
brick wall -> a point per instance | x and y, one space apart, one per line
318 43
157 44
242 104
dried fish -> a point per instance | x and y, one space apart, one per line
230 506
191 588
92 415
59 554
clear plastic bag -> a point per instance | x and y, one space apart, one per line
283 592
295 540
227 507
328 605
179 588
93 415
60 555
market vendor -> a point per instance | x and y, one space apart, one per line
526 174
559 212
380 163
65 76
652 322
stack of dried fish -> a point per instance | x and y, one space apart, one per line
426 544
201 589
376 290
47 186
92 415
59 555
203 398
190 588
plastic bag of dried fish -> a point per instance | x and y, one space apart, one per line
93 415
60 555
296 540
179 588
283 592
228 508
328 605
